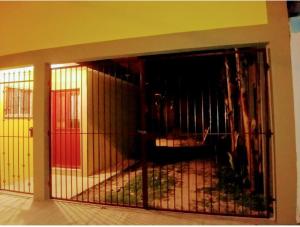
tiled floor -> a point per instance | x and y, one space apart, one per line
20 209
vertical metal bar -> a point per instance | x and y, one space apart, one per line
143 139
52 155
8 136
167 136
229 115
50 135
93 133
116 132
218 132
268 133
88 133
122 136
99 132
51 160
23 121
165 112
5 95
210 128
18 134
76 128
60 131
259 119
14 116
180 127
174 177
128 135
81 130
196 161
110 131
104 126
2 136
157 135
135 169
53 121
70 126
65 132
203 167
188 132
29 108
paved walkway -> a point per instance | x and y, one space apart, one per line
20 209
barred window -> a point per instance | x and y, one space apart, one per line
18 103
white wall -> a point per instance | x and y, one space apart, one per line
295 54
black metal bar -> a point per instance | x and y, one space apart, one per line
77 128
218 161
188 134
110 131
123 146
71 127
81 131
8 160
65 133
116 128
28 119
210 128
13 132
99 130
143 136
52 155
93 135
196 160
167 131
104 127
269 132
128 132
203 167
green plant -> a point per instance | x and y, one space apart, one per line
159 183
233 187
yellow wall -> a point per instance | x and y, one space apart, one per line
59 24
16 146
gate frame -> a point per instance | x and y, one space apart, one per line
282 107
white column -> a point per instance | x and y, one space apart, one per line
41 116
295 53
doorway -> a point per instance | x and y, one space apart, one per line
66 128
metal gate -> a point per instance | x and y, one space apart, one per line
16 134
94 142
184 132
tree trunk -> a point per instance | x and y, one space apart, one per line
245 120
229 107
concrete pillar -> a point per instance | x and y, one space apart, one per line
41 116
284 160
295 54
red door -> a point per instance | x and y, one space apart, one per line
65 127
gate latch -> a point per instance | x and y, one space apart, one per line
30 132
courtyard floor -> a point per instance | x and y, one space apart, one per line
19 210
